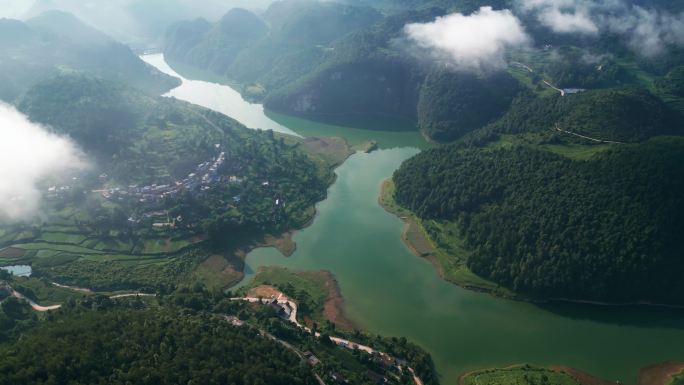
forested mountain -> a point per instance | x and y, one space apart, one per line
245 48
140 23
452 104
604 229
57 42
343 71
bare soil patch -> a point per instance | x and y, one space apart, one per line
335 150
583 377
333 310
413 236
12 252
267 291
659 374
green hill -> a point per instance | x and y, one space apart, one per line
605 229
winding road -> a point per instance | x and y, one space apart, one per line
40 308
292 317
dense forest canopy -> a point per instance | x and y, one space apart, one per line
603 229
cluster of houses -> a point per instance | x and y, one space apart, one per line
201 179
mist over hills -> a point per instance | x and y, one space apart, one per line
139 23
56 42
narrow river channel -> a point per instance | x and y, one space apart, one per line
390 291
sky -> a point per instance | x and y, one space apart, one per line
13 9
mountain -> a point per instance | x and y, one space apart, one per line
347 70
252 50
57 42
141 23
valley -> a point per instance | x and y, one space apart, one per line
379 279
405 192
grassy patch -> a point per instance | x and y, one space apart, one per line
518 375
576 151
219 272
62 237
573 151
56 247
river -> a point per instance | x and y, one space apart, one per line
391 292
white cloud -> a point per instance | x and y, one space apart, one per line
29 153
474 42
568 22
647 31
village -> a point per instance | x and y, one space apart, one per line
201 179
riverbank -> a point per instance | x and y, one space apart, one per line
449 265
660 374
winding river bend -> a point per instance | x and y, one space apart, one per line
390 291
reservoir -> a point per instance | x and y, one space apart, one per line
388 290
19 270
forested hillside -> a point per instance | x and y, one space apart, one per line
452 104
626 114
166 178
150 346
604 229
57 42
188 336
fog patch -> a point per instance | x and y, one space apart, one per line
28 154
474 42
646 31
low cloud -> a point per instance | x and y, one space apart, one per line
28 154
647 31
475 42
